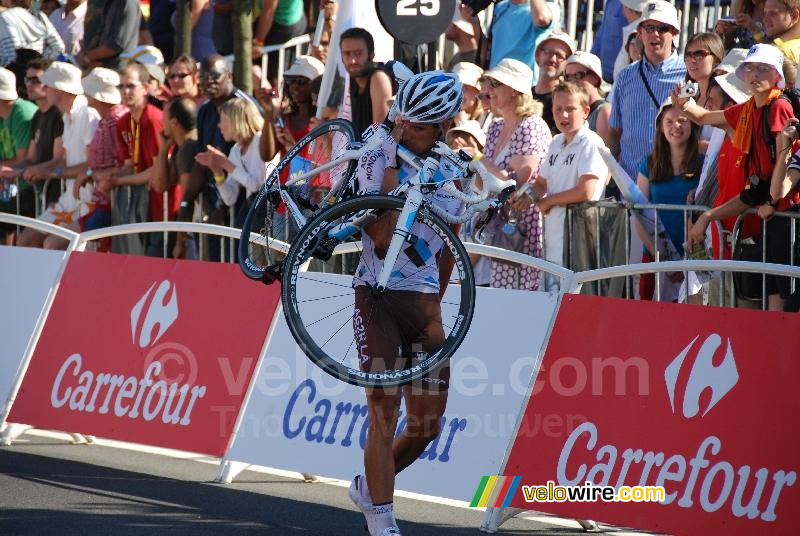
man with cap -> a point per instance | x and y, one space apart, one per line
642 86
102 93
16 115
117 31
583 69
139 143
551 53
153 61
64 91
762 72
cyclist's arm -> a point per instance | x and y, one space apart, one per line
373 178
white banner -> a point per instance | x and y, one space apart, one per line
26 277
300 419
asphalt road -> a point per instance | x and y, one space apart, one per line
48 486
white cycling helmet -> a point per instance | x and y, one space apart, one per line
430 97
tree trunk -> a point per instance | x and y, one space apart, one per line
183 28
243 45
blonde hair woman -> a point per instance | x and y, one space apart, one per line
241 123
515 145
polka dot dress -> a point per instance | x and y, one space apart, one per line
531 137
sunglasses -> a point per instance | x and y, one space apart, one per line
577 77
212 77
299 80
662 29
178 76
697 55
32 80
129 87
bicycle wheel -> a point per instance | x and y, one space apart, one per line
321 312
268 217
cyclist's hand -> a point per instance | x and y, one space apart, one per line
389 149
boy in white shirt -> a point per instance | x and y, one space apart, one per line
572 172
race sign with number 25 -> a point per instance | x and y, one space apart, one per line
415 21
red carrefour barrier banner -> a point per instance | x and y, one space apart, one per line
147 350
700 400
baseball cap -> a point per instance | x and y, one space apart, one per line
471 127
64 77
101 84
661 11
307 67
513 73
8 85
468 73
767 54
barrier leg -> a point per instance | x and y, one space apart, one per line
228 470
309 478
11 431
588 525
496 516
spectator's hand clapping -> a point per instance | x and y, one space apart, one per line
213 159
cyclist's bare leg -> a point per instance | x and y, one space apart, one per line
379 466
424 411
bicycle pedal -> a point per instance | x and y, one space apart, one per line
272 273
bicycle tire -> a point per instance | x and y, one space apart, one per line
255 259
299 289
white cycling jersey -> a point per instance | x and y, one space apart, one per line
417 266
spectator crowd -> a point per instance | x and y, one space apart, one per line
102 124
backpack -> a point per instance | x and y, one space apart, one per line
793 96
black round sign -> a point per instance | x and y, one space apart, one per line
415 21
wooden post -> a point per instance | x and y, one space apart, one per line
243 45
183 28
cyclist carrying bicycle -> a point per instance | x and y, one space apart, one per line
393 327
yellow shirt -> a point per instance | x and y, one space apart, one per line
790 48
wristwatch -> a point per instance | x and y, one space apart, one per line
89 172
57 172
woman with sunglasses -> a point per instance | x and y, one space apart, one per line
182 79
704 51
584 70
289 121
515 146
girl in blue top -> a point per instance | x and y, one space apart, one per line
669 176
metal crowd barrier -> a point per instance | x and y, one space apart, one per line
293 43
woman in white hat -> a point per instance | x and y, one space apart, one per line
584 69
515 145
288 122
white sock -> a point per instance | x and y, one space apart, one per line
364 488
382 518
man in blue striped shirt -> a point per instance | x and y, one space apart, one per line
643 86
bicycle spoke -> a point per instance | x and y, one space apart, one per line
325 298
322 281
338 330
330 315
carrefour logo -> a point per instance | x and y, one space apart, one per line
160 311
703 375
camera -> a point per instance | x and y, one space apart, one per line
689 89
279 122
477 5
